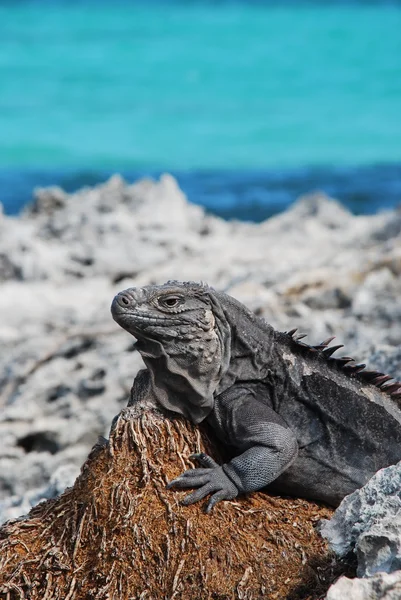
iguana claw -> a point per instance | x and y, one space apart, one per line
210 479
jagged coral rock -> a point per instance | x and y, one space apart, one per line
119 534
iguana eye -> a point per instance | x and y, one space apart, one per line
170 301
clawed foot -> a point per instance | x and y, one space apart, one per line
210 479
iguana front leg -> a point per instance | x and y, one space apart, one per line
268 448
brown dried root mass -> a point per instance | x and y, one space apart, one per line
119 534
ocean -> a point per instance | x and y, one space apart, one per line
248 103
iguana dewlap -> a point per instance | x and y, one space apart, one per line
294 418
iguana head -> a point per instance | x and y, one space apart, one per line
184 339
180 311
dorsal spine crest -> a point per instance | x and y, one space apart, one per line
379 380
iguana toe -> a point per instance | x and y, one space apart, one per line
204 460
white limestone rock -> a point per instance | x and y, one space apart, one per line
380 587
368 522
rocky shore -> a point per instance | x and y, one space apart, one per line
66 368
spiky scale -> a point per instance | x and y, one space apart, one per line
370 375
343 360
380 380
301 336
324 344
392 387
329 351
291 333
302 344
328 341
356 368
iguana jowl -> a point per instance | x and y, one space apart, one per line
298 420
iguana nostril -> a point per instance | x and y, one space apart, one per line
122 304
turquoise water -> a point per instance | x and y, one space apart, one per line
224 88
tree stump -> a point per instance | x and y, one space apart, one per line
119 534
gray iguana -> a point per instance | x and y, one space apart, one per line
295 418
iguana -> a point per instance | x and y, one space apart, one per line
295 418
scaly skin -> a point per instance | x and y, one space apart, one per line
295 420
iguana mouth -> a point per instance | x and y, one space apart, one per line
132 317
153 319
